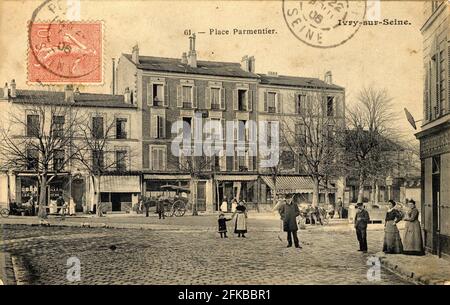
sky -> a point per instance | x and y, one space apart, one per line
387 57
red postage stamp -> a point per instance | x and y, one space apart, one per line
65 52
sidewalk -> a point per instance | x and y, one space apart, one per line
425 270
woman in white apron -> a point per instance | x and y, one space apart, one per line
240 225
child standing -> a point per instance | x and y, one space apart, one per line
223 225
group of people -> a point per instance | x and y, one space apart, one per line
145 203
224 206
412 240
240 223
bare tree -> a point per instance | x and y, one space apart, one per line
37 137
369 144
311 136
95 153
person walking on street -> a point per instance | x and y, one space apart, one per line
289 213
222 222
392 241
412 241
160 208
339 207
362 218
224 206
146 206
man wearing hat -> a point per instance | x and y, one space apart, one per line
361 220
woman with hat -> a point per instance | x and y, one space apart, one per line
392 242
412 241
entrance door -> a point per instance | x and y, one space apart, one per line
78 190
115 202
435 189
201 196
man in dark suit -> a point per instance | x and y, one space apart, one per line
361 220
289 213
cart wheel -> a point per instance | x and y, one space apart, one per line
179 208
4 213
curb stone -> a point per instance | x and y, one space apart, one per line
7 274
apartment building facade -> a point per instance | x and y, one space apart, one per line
435 132
104 128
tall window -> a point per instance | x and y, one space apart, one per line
97 127
58 125
58 160
271 102
301 104
215 98
32 159
242 100
187 96
121 160
98 162
330 106
158 158
242 134
121 128
158 95
33 125
187 128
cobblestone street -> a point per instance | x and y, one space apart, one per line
189 256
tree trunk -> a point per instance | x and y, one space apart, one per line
360 189
97 197
377 192
315 199
42 212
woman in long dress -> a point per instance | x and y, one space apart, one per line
412 241
392 241
240 225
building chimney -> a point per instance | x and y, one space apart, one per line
5 91
184 59
135 54
127 96
13 92
68 94
192 56
244 63
113 85
271 73
328 77
77 91
251 64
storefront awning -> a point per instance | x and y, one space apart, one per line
120 184
292 184
167 177
236 177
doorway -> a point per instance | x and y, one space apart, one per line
115 202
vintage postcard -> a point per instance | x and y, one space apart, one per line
278 142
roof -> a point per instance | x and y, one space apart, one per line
295 81
81 99
163 64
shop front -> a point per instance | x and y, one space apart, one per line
27 186
239 187
119 193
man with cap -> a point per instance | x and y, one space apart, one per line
361 220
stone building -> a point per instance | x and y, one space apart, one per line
113 118
435 132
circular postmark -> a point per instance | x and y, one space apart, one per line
324 24
61 48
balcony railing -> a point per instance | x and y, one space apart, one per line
271 109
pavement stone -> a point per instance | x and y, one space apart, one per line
193 257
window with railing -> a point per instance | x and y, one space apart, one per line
215 98
301 104
271 102
330 106
121 128
121 160
97 127
158 94
98 163
32 159
242 100
187 96
158 158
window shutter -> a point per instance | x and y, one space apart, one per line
297 101
194 97
208 97
235 130
222 98
265 102
179 96
250 99
235 99
223 129
249 161
166 95
223 162
154 126
163 158
236 161
426 95
279 102
150 94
